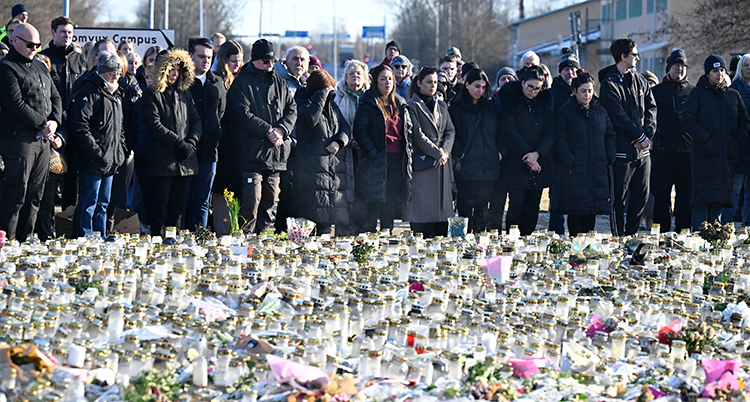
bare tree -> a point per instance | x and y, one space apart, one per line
477 27
713 26
219 16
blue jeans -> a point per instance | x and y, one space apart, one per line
705 213
91 212
199 196
727 214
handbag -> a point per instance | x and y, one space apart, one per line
57 163
423 162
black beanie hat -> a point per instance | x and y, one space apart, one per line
713 61
17 9
262 49
568 59
678 56
394 44
468 67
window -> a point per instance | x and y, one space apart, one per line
636 8
605 13
621 11
661 5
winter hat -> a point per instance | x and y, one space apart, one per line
394 44
262 49
713 61
568 59
470 65
651 77
314 61
18 9
733 62
678 56
400 59
3 46
453 52
505 71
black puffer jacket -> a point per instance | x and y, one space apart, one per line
171 118
67 66
631 108
211 100
479 122
96 123
670 98
743 166
715 117
320 179
527 125
29 98
257 102
584 146
369 132
561 92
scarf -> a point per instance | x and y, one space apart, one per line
354 95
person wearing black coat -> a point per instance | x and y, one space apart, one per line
320 176
740 82
626 96
96 123
584 147
30 112
210 97
381 126
528 133
67 64
174 129
477 127
671 153
715 117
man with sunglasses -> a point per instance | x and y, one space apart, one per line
402 74
261 114
626 96
31 111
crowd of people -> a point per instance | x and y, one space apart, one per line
166 133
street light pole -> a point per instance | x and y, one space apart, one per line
150 14
166 14
335 45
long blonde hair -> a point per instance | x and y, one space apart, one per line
227 50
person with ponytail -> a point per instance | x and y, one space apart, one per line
381 126
429 202
477 134
584 147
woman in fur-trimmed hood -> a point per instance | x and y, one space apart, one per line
174 129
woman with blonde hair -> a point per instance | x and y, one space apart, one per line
229 61
174 129
348 93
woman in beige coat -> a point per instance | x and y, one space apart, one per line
432 136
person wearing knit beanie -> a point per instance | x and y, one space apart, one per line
507 74
19 12
714 61
262 50
392 49
568 59
678 56
652 79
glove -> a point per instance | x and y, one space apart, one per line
185 149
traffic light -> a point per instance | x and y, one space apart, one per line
309 47
367 58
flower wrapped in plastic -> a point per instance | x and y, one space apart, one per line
299 228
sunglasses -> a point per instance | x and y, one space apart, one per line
268 61
400 66
29 44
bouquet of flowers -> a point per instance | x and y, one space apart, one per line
299 228
716 233
233 205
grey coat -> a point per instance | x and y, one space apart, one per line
431 199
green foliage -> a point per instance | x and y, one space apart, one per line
361 251
154 386
716 233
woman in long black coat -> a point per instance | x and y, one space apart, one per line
528 133
320 176
715 117
475 150
381 126
584 146
174 129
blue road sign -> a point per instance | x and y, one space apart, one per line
373 32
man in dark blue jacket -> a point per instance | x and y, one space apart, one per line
31 111
210 99
626 96
671 153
